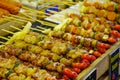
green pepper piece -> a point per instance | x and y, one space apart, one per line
79 24
41 38
9 72
16 64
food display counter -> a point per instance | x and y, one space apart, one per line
83 46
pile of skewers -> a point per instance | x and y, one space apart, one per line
64 51
59 57
63 58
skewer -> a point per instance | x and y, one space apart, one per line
33 10
16 19
45 31
7 31
15 28
25 19
2 42
26 15
36 30
40 21
68 3
8 19
31 14
40 27
4 38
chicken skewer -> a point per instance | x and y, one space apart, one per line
18 67
77 39
62 59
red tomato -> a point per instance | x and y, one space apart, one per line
65 77
100 44
102 50
114 33
86 61
103 45
76 65
117 27
77 70
106 46
119 35
85 56
74 75
111 40
69 73
97 54
92 58
83 65
66 71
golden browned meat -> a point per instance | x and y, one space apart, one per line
11 8
111 16
110 7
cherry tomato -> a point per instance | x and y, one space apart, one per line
119 35
86 61
106 46
51 78
83 65
117 27
100 44
69 73
92 58
74 75
85 56
103 45
66 71
111 40
97 54
77 70
76 65
65 77
102 50
114 33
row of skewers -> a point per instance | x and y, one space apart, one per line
71 47
54 47
50 53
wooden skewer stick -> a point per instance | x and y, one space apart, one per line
23 18
8 19
36 29
40 12
15 28
16 19
40 27
2 42
7 31
32 15
38 15
26 15
61 2
4 38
